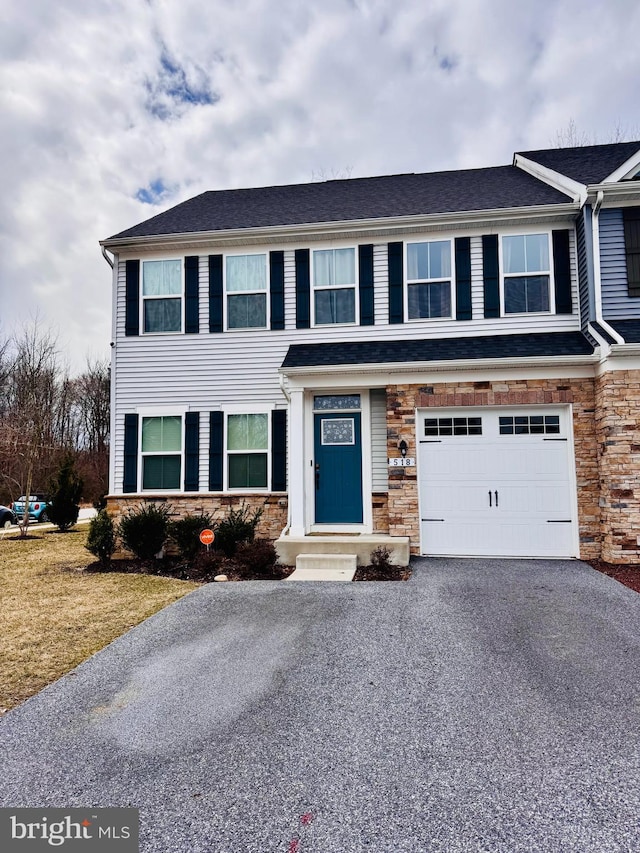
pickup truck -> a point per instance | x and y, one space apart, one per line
38 505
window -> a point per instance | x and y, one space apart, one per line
452 426
246 284
527 273
530 425
161 452
334 286
429 279
162 296
631 224
247 451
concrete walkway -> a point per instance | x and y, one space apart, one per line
482 706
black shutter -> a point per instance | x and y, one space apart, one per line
303 284
463 278
132 298
276 289
192 294
562 271
130 479
279 450
192 452
631 219
491 275
216 450
365 275
215 293
396 282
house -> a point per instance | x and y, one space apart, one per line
448 362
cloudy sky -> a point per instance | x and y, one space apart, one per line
114 110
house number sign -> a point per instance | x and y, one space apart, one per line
402 462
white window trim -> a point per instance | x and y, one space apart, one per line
355 286
408 281
503 275
172 296
266 292
145 412
247 410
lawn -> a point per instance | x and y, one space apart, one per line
54 615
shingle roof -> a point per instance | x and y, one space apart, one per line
353 199
588 164
440 349
629 329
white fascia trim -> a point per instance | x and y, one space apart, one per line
604 344
328 230
627 169
625 350
439 366
615 193
557 180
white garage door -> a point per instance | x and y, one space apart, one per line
497 482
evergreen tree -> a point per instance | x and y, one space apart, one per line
66 492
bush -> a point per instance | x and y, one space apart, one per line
144 530
380 560
186 534
239 526
259 556
66 491
101 541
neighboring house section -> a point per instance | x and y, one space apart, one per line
428 358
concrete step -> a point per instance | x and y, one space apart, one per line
324 567
289 548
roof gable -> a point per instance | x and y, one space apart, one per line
587 164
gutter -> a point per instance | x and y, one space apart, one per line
440 366
324 230
597 279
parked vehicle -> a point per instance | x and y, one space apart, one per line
38 504
7 517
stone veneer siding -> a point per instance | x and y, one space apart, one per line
618 431
271 525
403 400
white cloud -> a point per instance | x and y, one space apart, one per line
107 106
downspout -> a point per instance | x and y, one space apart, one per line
597 281
106 257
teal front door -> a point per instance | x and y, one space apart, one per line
338 468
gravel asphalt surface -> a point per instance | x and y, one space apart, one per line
485 705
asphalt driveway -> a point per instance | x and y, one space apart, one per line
483 706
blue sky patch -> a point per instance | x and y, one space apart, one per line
153 193
173 89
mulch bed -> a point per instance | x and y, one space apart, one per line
627 575
205 570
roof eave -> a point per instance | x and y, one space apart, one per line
444 365
387 226
628 191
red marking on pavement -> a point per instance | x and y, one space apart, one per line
306 818
294 847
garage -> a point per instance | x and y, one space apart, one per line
497 482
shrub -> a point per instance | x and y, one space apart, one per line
258 556
239 526
144 530
66 491
186 534
380 559
101 541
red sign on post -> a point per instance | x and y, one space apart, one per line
207 536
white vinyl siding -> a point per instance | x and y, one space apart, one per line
214 371
379 466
